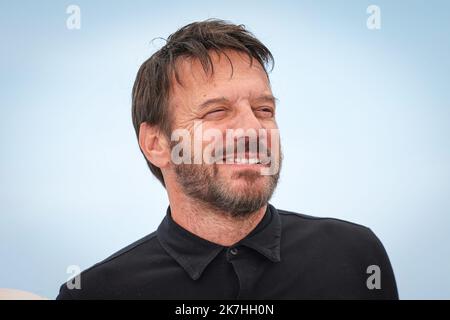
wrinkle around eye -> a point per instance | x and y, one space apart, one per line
266 112
213 114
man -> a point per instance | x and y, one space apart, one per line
194 101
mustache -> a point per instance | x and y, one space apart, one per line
243 149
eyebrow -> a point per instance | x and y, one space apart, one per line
267 98
262 98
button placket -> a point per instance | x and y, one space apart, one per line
234 251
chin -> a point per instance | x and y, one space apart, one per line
245 183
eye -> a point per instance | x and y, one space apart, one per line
265 112
214 114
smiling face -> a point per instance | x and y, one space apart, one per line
237 96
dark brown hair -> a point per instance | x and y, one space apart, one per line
153 81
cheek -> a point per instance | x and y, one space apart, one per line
273 137
213 138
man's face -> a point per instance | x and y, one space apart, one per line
236 99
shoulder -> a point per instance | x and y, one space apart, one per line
128 250
337 252
329 232
292 219
112 269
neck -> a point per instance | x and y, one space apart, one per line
210 224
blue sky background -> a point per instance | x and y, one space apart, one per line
364 118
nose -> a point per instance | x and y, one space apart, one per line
246 119
246 127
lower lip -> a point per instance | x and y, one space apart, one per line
245 165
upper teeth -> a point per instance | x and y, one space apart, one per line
244 160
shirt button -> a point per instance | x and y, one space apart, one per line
234 251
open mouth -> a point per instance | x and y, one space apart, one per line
243 159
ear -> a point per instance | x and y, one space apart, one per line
154 145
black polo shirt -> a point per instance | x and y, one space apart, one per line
287 256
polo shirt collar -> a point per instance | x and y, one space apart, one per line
194 253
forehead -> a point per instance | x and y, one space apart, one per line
234 76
